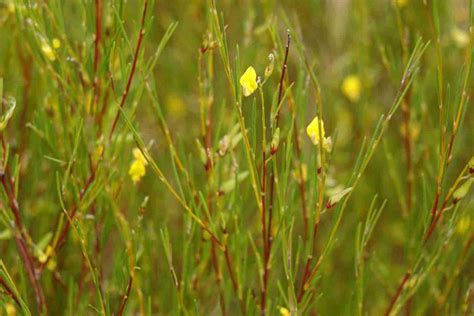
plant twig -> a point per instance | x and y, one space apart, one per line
125 297
134 66
397 293
20 235
269 237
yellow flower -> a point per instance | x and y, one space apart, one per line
56 43
137 169
248 81
10 309
11 7
460 37
175 105
401 3
313 132
463 225
284 311
351 88
48 51
137 154
51 264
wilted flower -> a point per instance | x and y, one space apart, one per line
271 65
351 88
248 81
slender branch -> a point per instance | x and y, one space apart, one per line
20 235
67 225
9 291
134 66
398 293
125 297
407 139
272 183
98 38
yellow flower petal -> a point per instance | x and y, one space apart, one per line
11 7
248 81
460 37
10 309
56 43
175 106
284 311
463 226
313 132
401 3
137 170
48 51
139 156
51 265
351 88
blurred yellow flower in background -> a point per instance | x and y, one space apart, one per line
10 309
50 51
56 43
248 81
460 37
464 225
11 7
175 105
401 3
137 168
313 132
351 88
284 311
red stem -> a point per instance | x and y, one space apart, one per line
398 293
268 247
134 66
125 297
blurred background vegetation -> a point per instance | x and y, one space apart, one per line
60 165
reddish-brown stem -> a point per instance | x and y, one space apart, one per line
398 293
9 291
263 206
125 297
231 271
268 247
98 37
217 270
308 274
21 237
134 66
67 225
434 222
302 180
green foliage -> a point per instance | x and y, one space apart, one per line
138 179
